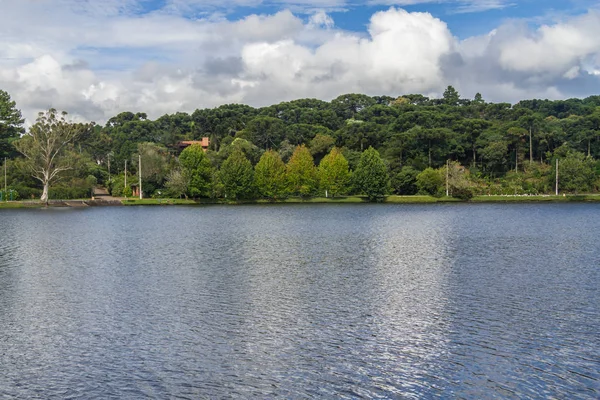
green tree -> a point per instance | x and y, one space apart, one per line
348 105
156 164
270 176
177 183
320 145
405 181
265 132
237 176
471 130
195 165
301 172
46 147
371 175
576 172
459 184
11 124
516 136
334 175
430 181
451 96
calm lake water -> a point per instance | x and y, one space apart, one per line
301 301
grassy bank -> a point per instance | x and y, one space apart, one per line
322 200
537 198
159 202
20 204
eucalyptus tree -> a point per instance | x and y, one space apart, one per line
46 147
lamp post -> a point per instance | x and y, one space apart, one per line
125 183
140 174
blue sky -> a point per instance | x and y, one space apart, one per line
95 59
464 18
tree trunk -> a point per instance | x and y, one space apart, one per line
430 153
44 198
474 156
589 147
530 147
516 159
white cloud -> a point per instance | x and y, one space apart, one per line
321 19
554 48
95 63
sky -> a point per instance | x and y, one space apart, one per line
96 58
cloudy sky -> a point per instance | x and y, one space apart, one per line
96 58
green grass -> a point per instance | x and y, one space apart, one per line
20 204
157 202
536 198
335 200
418 199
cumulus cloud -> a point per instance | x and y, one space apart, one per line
95 63
515 61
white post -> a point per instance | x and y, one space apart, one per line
125 184
447 174
140 174
557 176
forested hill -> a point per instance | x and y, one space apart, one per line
503 147
410 130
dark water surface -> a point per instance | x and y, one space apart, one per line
315 301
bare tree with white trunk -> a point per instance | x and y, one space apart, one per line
46 146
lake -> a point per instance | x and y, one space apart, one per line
301 301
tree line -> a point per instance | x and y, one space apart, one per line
306 147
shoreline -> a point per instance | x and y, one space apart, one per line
82 203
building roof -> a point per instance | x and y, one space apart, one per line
204 143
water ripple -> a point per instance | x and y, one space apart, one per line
478 301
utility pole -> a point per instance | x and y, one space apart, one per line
447 176
557 176
125 184
140 174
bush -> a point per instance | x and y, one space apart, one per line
430 182
405 181
463 193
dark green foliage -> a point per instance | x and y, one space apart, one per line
451 96
430 182
576 173
507 149
463 193
371 175
194 163
11 124
348 105
237 176
405 181
265 132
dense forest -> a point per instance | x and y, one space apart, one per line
354 144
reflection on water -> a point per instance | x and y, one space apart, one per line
301 301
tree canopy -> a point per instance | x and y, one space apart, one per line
503 148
